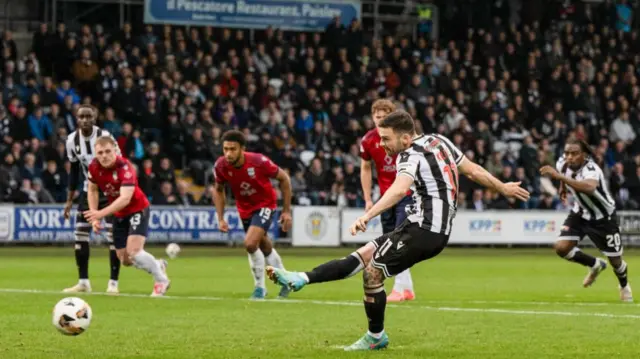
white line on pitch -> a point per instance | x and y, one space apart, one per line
347 303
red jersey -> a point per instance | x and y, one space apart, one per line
370 150
110 180
250 183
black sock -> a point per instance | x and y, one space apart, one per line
82 259
621 273
114 264
578 256
374 306
336 269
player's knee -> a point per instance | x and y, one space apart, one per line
251 245
132 251
563 248
266 246
366 252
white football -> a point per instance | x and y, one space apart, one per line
72 316
173 249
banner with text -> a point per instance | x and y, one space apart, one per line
530 227
166 224
374 227
521 227
310 15
316 227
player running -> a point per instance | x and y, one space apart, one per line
80 145
249 176
593 215
370 150
428 165
116 178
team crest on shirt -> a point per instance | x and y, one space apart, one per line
115 175
404 156
127 174
251 172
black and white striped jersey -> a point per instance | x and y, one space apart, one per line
81 149
432 161
594 206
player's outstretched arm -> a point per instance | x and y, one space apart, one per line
392 196
285 186
587 185
93 196
482 177
366 182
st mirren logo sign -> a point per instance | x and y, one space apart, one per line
389 165
246 189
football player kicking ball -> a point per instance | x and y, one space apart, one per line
428 165
116 178
249 176
370 150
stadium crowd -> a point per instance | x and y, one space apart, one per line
507 94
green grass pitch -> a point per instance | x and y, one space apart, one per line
472 303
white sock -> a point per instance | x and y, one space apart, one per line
256 263
84 282
113 282
147 262
403 282
376 335
274 260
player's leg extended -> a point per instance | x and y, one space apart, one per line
375 303
252 241
606 236
146 261
114 261
403 283
333 270
81 233
566 247
620 270
272 259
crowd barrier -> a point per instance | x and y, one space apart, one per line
317 226
312 226
166 224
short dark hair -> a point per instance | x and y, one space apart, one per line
235 136
399 121
584 146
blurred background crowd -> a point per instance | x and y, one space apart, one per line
507 81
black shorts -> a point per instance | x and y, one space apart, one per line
83 205
604 233
136 224
405 246
261 218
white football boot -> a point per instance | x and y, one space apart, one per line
112 288
79 288
625 294
160 288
